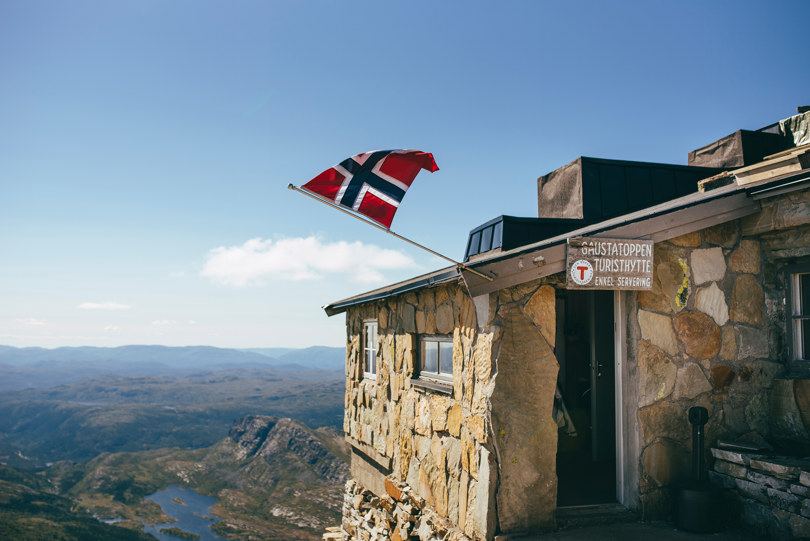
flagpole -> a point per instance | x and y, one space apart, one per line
381 228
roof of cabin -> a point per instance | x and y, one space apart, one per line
737 195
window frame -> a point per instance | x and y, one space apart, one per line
445 378
794 316
369 350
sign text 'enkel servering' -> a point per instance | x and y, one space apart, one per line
598 263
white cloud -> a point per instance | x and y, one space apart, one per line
300 259
31 321
164 322
103 306
111 328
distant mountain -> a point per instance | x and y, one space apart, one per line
35 367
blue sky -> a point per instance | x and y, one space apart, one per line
146 146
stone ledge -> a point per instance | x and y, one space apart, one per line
369 451
433 386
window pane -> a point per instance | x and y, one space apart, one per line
486 240
371 362
430 356
446 357
804 338
804 294
370 346
475 243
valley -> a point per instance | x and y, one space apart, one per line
241 434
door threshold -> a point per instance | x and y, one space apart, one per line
593 514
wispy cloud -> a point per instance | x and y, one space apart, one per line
297 259
164 322
31 321
111 328
103 306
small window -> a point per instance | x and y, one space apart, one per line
436 358
370 349
800 315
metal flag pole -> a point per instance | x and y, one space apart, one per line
381 228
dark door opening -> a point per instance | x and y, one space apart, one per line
585 404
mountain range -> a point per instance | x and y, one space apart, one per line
35 367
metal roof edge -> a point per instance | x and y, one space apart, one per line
426 280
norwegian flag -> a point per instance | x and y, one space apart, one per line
372 183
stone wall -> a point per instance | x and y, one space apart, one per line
771 494
712 334
458 458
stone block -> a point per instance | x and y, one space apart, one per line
799 490
722 377
691 382
730 456
752 343
670 288
746 258
541 310
657 373
454 416
778 467
708 265
712 302
752 490
725 234
689 240
728 344
666 462
783 500
698 333
523 397
804 478
747 300
767 480
731 469
657 329
799 526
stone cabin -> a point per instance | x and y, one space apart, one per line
476 408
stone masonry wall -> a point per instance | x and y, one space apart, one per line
441 447
712 334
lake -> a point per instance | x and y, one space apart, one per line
193 517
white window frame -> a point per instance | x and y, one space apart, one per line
796 318
369 348
440 375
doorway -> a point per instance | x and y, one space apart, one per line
585 407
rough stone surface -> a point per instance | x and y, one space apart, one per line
666 462
657 329
747 300
691 240
725 234
745 258
708 265
752 343
712 302
691 382
527 492
541 310
670 289
699 334
664 419
723 377
728 344
656 373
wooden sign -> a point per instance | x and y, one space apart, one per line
597 263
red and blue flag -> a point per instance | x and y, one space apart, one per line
372 183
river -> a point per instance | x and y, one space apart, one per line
193 517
